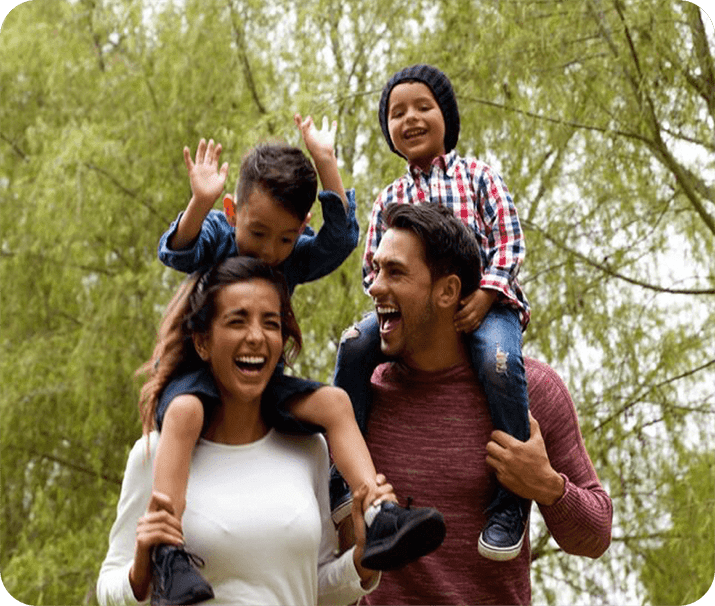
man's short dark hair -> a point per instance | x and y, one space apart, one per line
282 171
449 246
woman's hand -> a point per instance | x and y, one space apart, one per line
360 503
158 526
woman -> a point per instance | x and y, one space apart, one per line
257 506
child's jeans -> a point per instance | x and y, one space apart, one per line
495 353
359 354
495 350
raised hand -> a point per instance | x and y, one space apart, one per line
317 141
207 180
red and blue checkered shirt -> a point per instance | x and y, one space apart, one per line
479 197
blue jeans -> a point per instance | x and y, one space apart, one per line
495 353
359 354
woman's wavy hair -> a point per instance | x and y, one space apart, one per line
191 311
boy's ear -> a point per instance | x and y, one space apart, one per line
307 219
200 346
448 291
229 208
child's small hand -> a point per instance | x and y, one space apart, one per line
473 309
207 181
317 141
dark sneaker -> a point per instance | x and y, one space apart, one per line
397 536
341 499
503 535
175 580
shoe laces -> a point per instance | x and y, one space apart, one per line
178 560
507 517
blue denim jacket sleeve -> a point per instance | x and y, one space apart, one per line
215 242
317 255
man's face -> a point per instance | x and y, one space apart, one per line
264 229
402 293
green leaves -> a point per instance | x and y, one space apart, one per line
598 114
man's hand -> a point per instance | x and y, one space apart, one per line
207 181
524 467
473 309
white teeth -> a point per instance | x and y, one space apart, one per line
387 310
251 359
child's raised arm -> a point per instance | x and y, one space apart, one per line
207 183
320 145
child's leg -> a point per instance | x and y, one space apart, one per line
395 536
180 417
358 355
495 348
330 408
181 428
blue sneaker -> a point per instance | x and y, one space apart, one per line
502 537
341 499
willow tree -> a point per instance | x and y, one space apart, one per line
601 116
598 113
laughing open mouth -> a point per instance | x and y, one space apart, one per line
388 317
251 363
413 132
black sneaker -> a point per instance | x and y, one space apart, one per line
341 499
398 536
503 535
175 580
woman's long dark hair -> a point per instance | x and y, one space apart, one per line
191 311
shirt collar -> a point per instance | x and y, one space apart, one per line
445 163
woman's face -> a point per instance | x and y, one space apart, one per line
245 342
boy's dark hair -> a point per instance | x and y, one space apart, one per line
443 93
282 171
449 246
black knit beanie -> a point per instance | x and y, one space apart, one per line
442 90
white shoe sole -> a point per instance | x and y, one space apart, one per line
500 554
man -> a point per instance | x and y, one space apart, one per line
430 430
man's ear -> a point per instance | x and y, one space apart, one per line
448 291
200 346
229 208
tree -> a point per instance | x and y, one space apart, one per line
599 114
690 493
603 126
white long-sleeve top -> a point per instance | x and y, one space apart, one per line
257 514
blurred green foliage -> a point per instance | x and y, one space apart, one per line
600 115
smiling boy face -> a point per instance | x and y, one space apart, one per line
265 229
415 123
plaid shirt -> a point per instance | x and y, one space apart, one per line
479 197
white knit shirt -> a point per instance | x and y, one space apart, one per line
257 514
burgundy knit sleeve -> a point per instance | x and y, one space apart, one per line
580 521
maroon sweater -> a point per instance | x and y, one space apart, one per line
428 433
